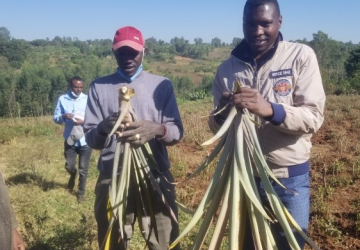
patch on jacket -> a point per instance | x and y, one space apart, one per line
282 87
280 73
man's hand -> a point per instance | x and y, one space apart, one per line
18 242
140 132
253 101
67 116
106 125
224 104
78 121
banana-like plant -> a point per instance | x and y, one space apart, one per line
135 167
232 194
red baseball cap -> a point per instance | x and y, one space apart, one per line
128 36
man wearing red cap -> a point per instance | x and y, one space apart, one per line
159 124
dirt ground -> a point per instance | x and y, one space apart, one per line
335 176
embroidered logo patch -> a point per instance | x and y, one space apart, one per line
280 73
282 87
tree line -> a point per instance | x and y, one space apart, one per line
34 73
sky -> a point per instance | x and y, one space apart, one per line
164 20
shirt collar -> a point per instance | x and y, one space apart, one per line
70 96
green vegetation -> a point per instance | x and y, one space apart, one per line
34 73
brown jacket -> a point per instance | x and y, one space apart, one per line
290 78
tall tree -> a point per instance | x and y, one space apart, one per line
198 41
352 64
15 51
4 34
235 41
216 42
331 55
7 94
180 44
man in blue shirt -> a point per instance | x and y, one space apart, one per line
70 109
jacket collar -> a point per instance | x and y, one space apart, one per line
241 52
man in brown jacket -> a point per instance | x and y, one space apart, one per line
282 88
10 238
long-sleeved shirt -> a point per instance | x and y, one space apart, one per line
154 101
67 104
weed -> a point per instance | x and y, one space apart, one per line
356 169
336 167
198 95
338 181
341 143
347 108
328 227
319 201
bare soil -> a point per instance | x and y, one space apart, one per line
335 175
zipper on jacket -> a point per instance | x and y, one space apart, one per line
257 86
256 72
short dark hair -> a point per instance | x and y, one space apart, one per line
256 3
76 78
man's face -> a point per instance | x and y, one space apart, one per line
261 27
128 59
77 87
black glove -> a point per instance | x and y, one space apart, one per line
225 104
140 132
106 125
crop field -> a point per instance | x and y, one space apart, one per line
49 217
